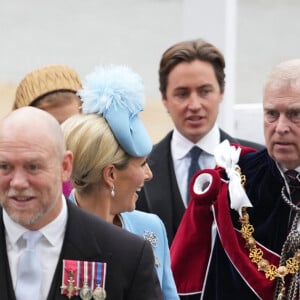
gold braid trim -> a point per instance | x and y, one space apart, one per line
256 254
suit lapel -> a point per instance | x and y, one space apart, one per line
226 136
76 245
161 164
172 208
6 285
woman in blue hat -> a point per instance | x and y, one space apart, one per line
110 147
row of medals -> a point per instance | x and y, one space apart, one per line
85 292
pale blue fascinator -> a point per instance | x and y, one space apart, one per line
117 93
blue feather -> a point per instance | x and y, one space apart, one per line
112 87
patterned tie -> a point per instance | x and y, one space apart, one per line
29 269
293 179
194 167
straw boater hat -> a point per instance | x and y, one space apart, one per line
45 80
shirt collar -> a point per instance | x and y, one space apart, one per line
53 231
180 146
283 169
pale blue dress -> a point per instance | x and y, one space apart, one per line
151 228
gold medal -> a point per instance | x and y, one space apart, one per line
99 293
70 288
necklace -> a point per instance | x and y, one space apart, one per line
286 266
288 201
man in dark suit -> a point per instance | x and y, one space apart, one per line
76 254
192 81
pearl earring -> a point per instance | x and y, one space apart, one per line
113 191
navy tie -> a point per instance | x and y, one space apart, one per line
194 167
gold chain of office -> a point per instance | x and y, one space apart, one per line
256 253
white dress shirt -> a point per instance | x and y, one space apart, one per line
48 247
180 148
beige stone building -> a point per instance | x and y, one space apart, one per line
254 35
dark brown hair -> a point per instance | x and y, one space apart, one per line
189 51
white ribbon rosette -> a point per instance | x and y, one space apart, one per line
227 157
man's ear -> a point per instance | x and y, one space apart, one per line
165 103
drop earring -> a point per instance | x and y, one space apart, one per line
113 191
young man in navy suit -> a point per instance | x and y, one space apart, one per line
191 82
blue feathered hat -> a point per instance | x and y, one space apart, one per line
117 93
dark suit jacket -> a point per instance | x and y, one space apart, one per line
130 263
161 195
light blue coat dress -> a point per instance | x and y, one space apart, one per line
150 227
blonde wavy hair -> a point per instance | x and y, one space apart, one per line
90 139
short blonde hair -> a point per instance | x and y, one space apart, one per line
94 146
